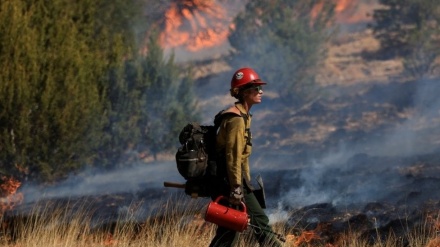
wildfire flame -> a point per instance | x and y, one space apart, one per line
435 224
344 11
305 237
109 240
308 237
200 24
9 196
195 24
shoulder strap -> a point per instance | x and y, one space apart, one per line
247 130
233 110
218 119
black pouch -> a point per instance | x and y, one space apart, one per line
191 161
198 187
259 193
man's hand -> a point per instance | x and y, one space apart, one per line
236 196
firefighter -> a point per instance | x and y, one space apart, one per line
234 143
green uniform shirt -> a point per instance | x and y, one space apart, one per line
234 139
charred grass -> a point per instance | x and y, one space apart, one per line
170 225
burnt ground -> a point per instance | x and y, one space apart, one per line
373 196
367 158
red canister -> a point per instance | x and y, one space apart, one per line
227 217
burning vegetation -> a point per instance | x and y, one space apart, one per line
195 25
9 197
199 24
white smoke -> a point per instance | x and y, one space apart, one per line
89 182
418 134
368 172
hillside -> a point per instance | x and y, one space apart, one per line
365 153
360 100
346 65
361 157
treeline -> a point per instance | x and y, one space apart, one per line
287 41
76 91
80 85
409 30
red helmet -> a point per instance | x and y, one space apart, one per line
245 76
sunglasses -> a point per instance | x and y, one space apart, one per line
258 88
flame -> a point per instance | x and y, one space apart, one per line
195 24
316 10
199 24
306 237
434 242
109 240
341 6
347 11
434 223
9 196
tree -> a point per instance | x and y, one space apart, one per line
409 29
75 90
284 42
170 99
148 105
54 57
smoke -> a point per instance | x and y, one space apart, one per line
374 170
415 135
89 182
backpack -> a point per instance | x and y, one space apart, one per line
197 160
197 151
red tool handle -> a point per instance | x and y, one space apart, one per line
225 198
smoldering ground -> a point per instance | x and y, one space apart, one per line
386 173
107 195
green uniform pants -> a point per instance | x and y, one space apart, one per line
228 238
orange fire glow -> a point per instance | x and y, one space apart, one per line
109 240
306 237
199 24
435 225
195 24
9 196
343 10
342 5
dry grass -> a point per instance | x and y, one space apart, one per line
170 226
